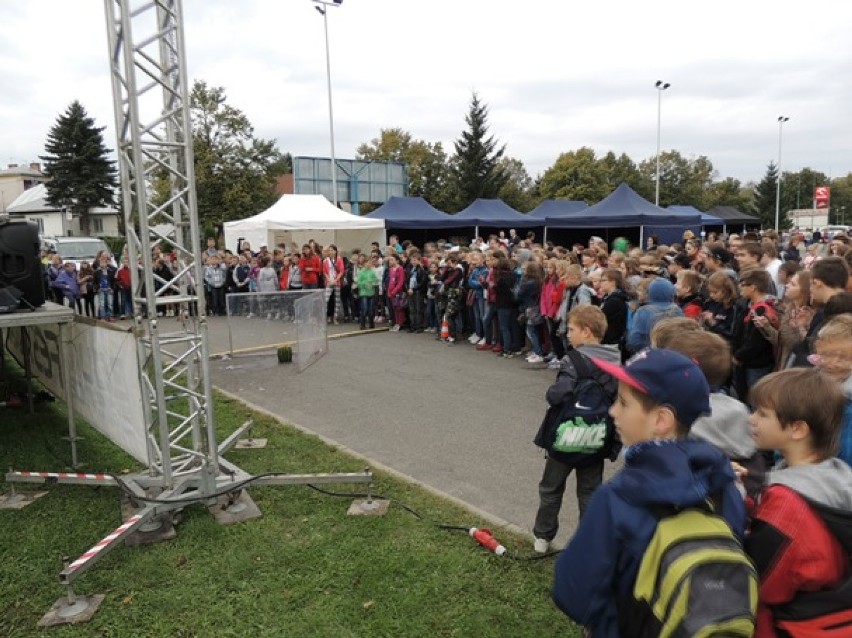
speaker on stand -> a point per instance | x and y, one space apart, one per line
20 262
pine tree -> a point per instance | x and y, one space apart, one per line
81 175
476 169
764 199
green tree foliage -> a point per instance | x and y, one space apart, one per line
576 175
426 163
518 191
475 170
622 169
81 175
764 198
234 170
841 200
797 189
730 192
683 182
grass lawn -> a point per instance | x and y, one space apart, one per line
304 569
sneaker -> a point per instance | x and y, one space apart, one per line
484 346
497 348
550 356
395 328
509 354
556 364
450 339
481 342
473 339
541 546
535 358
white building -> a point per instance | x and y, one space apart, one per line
31 205
808 218
15 179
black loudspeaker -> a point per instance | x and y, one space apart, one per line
20 263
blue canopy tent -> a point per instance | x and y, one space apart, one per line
556 208
706 218
730 216
625 208
495 214
414 214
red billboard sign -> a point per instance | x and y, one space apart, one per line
822 196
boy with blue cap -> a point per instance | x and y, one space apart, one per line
660 394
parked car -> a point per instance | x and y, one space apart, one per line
76 249
837 229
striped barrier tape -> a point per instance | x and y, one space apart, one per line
104 543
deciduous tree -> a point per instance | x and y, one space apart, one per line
426 163
234 170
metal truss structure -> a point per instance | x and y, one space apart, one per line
154 147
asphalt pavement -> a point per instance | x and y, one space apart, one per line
457 420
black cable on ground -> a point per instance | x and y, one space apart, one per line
238 485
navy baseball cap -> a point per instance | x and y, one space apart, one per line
668 377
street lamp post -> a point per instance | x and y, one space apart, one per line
323 11
781 120
660 86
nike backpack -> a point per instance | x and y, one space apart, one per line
580 429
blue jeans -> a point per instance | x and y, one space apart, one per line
431 314
506 317
478 316
126 302
487 321
532 333
366 311
104 303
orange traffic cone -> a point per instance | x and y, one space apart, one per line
445 329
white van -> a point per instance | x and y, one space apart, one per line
76 249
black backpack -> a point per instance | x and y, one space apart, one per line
580 430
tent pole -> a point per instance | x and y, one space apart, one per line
642 237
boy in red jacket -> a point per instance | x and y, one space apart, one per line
801 531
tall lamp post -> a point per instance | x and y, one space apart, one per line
323 11
781 120
660 86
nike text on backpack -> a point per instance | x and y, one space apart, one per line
694 580
580 429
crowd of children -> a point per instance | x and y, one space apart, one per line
724 368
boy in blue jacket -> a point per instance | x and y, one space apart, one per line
660 394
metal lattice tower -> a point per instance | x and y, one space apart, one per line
185 464
154 133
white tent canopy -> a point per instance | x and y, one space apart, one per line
298 218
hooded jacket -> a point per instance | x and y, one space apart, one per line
566 378
801 537
660 304
598 568
727 428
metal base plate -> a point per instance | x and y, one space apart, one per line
18 500
63 613
250 444
158 529
363 507
242 509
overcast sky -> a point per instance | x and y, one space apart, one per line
556 75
